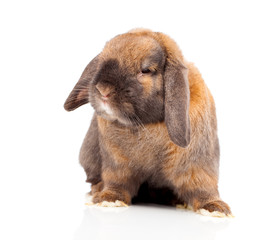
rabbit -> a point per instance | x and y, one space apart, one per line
154 124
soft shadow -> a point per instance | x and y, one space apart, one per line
147 222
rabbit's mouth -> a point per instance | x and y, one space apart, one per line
106 111
105 107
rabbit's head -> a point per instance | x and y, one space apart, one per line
139 78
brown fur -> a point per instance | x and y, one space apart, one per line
157 127
97 187
147 84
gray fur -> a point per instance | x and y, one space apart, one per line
90 157
177 104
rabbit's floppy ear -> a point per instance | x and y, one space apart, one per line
177 98
80 93
177 95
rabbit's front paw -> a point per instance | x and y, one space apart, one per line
112 198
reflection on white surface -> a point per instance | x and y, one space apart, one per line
147 222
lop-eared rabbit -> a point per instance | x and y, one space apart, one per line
154 125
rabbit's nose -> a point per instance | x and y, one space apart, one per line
104 91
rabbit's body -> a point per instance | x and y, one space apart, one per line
132 140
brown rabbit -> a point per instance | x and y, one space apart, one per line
154 123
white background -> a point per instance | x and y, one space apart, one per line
45 45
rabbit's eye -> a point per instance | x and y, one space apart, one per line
144 71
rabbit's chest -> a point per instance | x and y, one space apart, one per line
143 147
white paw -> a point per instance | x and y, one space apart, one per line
117 203
205 212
